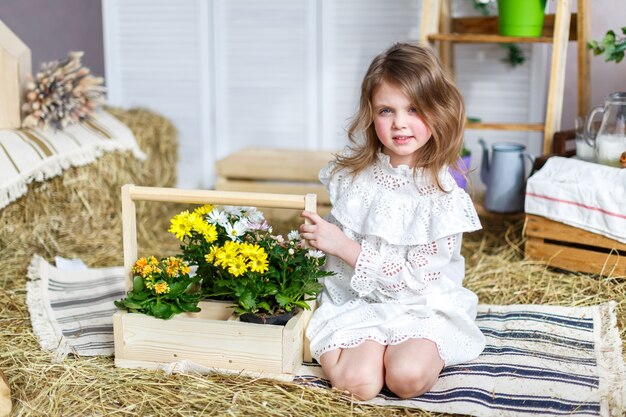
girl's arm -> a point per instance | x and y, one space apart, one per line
328 238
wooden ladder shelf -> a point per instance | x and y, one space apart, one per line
437 25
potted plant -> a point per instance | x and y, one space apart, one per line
521 17
239 260
611 46
161 288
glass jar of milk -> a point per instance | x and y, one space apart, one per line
610 140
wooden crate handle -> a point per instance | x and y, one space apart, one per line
132 193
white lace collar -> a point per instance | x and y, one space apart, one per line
398 205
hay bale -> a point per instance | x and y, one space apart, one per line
77 214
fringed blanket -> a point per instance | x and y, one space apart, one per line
28 155
539 360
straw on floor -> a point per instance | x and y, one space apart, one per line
547 360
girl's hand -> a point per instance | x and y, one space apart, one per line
328 238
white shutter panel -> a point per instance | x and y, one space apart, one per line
353 32
157 57
266 74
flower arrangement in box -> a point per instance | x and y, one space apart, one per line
161 288
238 259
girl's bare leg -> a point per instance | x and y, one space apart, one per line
412 367
358 370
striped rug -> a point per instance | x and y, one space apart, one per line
28 155
539 360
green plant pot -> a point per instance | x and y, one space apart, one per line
521 17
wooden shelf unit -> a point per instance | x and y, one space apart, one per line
437 25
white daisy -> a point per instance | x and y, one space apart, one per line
315 254
293 235
232 210
217 217
237 229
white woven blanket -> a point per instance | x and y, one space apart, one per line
28 155
539 360
582 194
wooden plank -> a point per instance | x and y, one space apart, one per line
575 259
540 227
213 343
430 20
554 106
445 48
306 317
233 198
292 344
583 28
480 38
10 86
488 25
129 234
274 164
284 187
535 127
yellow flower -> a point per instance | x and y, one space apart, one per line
258 263
140 265
210 257
249 249
180 225
226 254
237 266
210 233
206 209
161 287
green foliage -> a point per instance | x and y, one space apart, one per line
161 288
611 46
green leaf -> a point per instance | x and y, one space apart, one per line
624 30
130 304
247 301
138 284
177 288
162 311
282 300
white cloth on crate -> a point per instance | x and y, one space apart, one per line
581 194
407 281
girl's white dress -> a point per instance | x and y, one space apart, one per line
407 282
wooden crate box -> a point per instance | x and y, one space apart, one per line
285 171
573 249
214 337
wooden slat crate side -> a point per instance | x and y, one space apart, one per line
274 164
575 259
543 228
285 187
230 345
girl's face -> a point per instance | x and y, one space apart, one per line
398 127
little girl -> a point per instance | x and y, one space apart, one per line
395 312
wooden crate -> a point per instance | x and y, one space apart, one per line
213 337
573 249
284 171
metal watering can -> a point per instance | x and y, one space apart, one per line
504 176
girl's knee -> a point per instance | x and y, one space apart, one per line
362 382
411 380
362 385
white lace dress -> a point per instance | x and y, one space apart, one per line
407 282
